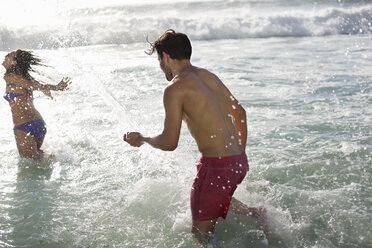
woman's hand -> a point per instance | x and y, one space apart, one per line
46 92
65 82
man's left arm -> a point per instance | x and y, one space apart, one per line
239 117
240 121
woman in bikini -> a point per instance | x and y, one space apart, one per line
29 126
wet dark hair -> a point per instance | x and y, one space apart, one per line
25 60
176 45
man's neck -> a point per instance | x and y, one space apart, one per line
180 66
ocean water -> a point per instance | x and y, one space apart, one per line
301 69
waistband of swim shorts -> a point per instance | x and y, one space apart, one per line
235 160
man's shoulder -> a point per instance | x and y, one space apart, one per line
191 75
178 87
175 87
202 70
179 80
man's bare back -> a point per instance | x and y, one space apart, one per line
205 109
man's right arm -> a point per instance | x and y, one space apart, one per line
168 139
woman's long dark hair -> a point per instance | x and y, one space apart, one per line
25 60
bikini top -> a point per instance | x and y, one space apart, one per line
9 96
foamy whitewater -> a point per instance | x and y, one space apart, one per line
301 69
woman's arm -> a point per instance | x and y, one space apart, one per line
18 81
65 82
35 85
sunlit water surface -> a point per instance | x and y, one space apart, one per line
308 102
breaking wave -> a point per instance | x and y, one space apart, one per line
124 25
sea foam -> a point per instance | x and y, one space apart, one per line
201 21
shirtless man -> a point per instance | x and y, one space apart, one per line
218 124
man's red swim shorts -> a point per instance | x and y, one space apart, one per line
214 185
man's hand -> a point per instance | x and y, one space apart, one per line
134 139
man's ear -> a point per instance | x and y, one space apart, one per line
166 56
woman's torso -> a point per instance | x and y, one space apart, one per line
22 106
